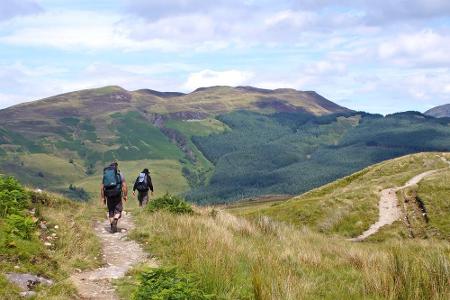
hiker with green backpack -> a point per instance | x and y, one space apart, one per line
143 184
113 190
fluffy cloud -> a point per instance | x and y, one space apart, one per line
425 48
19 83
69 30
206 78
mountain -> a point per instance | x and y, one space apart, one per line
442 111
63 141
214 145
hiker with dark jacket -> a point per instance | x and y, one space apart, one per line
143 184
113 190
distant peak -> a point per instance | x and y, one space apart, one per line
248 88
111 88
285 90
211 88
441 111
159 94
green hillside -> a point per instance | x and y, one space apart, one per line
65 141
349 205
214 145
291 153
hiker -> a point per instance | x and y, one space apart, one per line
113 190
143 183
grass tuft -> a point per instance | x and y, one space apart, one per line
170 203
168 283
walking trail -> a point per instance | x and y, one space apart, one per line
119 254
388 207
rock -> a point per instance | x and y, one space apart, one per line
16 267
56 226
28 294
27 282
43 226
48 244
53 234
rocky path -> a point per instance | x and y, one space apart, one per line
389 210
119 254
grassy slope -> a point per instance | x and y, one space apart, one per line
138 145
190 129
291 153
76 247
435 192
347 206
239 259
260 258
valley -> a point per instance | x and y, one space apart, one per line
252 142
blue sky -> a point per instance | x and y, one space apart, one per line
378 56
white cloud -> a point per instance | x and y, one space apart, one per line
326 68
298 19
426 47
207 78
71 30
79 31
20 83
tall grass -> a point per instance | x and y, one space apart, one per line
51 237
239 259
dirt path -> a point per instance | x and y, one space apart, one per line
119 254
388 208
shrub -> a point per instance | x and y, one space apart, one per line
13 197
168 283
21 227
170 203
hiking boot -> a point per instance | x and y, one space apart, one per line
114 226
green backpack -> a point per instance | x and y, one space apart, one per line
112 182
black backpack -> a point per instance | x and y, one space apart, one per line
142 182
112 182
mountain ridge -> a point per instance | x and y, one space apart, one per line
309 95
441 111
